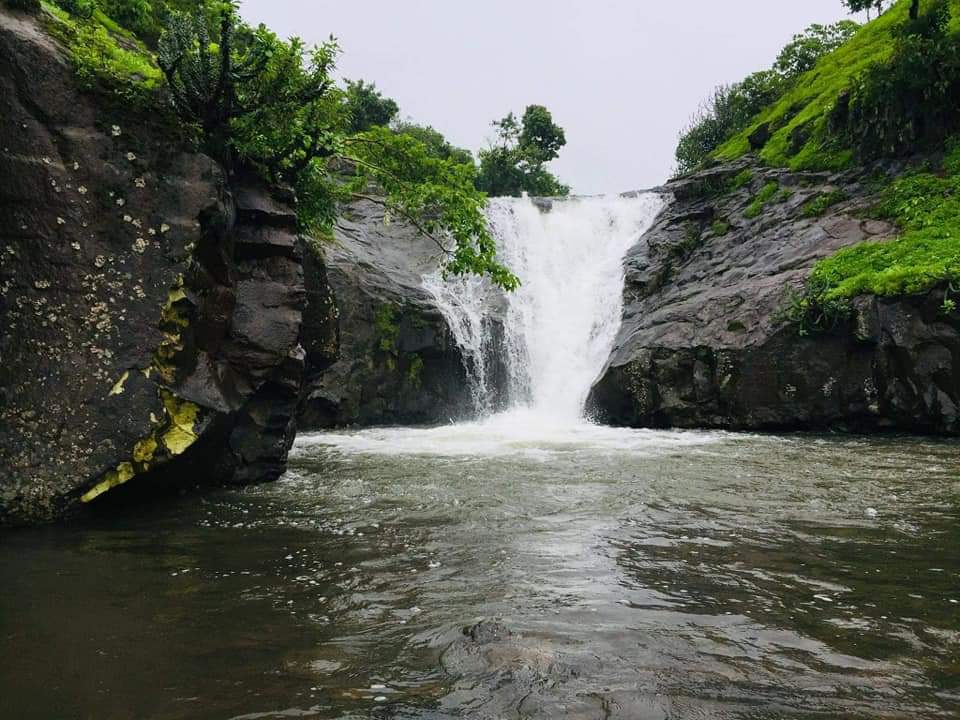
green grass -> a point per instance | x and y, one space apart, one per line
926 205
744 177
766 194
806 106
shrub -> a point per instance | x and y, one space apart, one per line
727 111
731 108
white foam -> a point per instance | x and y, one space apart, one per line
519 432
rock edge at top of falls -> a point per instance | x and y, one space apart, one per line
703 341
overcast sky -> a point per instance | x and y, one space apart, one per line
621 76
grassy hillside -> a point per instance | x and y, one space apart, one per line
805 108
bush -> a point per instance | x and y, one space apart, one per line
911 101
728 111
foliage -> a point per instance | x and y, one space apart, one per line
367 107
760 201
878 5
386 327
729 109
271 104
82 9
436 144
742 178
732 107
514 164
823 202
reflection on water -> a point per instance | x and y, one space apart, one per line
606 574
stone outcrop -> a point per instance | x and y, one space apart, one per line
379 351
150 306
705 341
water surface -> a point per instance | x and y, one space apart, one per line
630 574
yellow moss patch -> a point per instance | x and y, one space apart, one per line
122 474
183 414
144 450
118 387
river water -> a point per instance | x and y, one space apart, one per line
529 564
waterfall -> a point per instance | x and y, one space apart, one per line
560 325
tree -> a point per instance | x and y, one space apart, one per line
367 107
858 5
727 111
514 163
437 145
272 105
802 53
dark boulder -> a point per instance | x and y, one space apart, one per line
150 306
705 341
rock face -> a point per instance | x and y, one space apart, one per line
704 342
379 351
150 306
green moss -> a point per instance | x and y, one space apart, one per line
387 329
766 194
744 177
798 121
105 56
823 202
415 371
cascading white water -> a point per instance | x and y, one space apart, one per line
561 324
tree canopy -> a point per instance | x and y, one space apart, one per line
367 107
515 162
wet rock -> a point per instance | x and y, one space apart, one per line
379 351
705 343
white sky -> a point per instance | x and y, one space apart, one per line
621 76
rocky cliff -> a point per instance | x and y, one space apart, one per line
150 305
705 341
395 361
